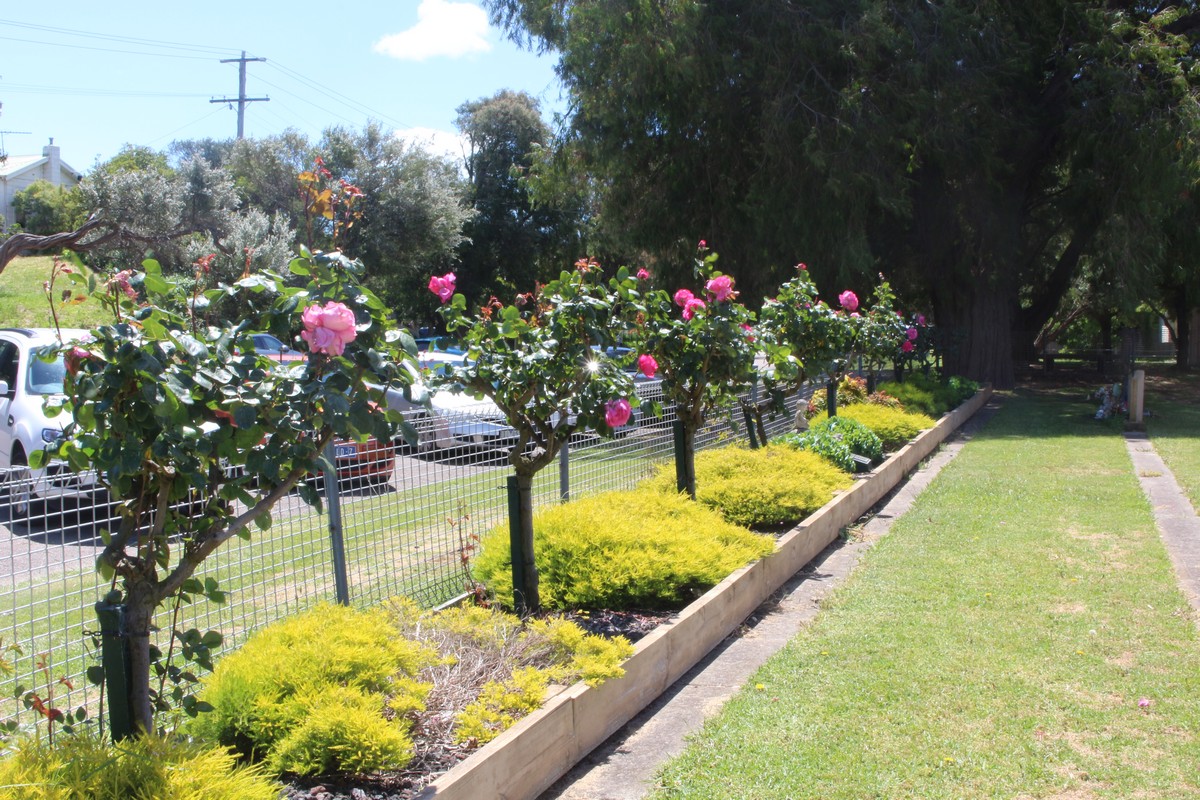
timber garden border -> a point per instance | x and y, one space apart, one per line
528 758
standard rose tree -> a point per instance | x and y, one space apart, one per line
541 360
701 346
170 402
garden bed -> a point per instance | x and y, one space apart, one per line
525 760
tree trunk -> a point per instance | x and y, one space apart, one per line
831 397
685 455
1189 341
139 616
985 323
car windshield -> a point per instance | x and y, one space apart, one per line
45 377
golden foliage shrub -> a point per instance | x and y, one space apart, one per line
635 549
764 488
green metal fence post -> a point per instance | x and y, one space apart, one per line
516 546
337 543
114 657
681 477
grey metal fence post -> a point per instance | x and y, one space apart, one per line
564 472
114 657
516 546
341 584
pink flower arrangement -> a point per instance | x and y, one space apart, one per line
720 288
328 328
648 365
912 334
443 287
617 412
848 300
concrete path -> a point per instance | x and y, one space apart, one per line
623 768
1177 521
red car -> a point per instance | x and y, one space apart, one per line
370 462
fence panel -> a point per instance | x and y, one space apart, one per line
408 518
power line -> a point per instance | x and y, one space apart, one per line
30 88
104 49
111 37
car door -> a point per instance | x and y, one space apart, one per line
9 358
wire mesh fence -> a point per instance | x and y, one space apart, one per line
406 516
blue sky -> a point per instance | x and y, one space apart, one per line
95 76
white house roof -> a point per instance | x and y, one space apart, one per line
15 165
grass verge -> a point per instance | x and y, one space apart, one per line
1174 427
999 642
23 301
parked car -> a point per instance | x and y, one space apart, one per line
27 382
370 462
269 345
448 419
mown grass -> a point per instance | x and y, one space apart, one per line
23 300
995 644
1174 427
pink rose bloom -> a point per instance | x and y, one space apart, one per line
854 315
643 274
920 319
802 267
703 244
328 328
683 297
647 365
617 412
907 347
749 331
443 287
692 307
848 300
912 334
720 288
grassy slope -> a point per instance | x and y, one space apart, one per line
23 301
983 650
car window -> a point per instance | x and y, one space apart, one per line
45 377
8 365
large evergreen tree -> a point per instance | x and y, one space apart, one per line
976 152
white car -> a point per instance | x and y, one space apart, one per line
26 383
448 420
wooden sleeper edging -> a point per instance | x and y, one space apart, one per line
529 757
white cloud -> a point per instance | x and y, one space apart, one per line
443 28
443 143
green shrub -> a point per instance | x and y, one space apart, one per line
861 440
930 396
851 389
145 768
763 488
634 549
824 443
894 428
341 730
265 691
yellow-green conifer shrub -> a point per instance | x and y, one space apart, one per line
894 427
581 655
341 730
763 488
264 692
635 549
145 768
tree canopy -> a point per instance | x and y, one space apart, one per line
974 152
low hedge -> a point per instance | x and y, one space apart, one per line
765 488
930 396
894 427
142 768
861 440
825 443
635 549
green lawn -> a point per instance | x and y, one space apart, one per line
23 300
1174 426
995 644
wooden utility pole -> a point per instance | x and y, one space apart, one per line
241 99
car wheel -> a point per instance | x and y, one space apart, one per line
23 504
